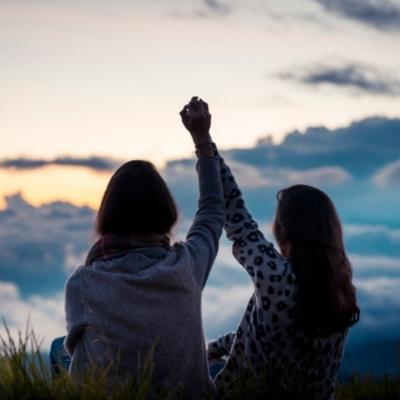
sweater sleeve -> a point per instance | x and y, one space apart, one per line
74 311
266 267
205 232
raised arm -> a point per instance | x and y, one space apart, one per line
262 261
204 234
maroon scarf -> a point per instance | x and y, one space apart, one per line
113 245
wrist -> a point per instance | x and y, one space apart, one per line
204 150
203 138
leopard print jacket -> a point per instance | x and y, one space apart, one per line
267 339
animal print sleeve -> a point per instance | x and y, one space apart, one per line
220 347
257 255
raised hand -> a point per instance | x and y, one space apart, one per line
197 120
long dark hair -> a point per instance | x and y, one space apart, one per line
309 232
136 201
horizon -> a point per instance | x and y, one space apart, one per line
26 175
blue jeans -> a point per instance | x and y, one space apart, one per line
214 369
59 358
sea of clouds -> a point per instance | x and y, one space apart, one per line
358 166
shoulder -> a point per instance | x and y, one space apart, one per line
73 282
181 250
254 248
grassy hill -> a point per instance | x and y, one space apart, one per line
24 374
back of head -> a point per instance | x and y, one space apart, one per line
309 233
136 201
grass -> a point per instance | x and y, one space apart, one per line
369 388
25 375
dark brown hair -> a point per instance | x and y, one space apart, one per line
309 232
136 201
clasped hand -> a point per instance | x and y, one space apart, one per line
197 120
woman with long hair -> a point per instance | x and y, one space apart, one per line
139 296
294 328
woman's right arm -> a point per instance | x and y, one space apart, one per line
203 237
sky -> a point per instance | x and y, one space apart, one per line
304 91
108 78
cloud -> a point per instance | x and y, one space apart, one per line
73 258
380 307
180 171
388 176
331 176
223 307
363 229
95 163
378 240
381 289
375 264
359 148
362 78
380 311
326 176
250 177
216 6
38 245
201 9
380 14
45 314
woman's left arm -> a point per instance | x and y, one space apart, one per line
257 255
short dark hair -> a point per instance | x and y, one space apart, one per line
136 201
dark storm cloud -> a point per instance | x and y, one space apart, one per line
383 14
23 163
363 78
95 163
361 148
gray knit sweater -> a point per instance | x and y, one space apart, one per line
117 310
